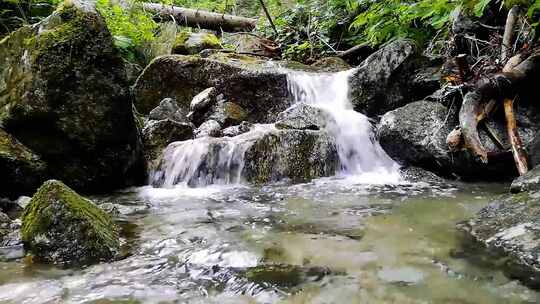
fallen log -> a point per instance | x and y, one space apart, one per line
496 87
518 150
202 19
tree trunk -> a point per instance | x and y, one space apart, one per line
202 19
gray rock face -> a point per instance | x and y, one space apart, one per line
65 97
386 79
228 113
510 227
238 129
249 82
210 128
158 134
203 100
302 117
168 109
416 135
527 182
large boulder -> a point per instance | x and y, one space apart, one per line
22 170
510 227
65 96
253 84
302 116
416 135
61 227
387 80
262 155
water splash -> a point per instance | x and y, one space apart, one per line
360 154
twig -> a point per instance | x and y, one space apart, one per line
508 36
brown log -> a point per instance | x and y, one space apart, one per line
518 151
508 37
202 19
463 67
496 87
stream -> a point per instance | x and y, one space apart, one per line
362 236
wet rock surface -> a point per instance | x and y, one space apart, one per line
528 182
75 114
331 65
387 80
510 227
158 134
61 227
303 117
168 109
416 135
250 82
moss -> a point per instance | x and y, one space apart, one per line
235 112
66 220
211 41
279 275
179 46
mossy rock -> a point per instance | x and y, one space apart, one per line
22 170
192 43
61 227
66 97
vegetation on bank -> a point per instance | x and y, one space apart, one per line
306 29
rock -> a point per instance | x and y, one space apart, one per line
509 227
204 100
253 84
61 227
4 219
298 155
527 182
238 129
158 134
303 117
247 43
210 128
65 97
22 201
285 275
22 170
416 135
263 155
331 65
386 79
192 43
228 114
418 175
168 109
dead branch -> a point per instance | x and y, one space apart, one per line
203 19
508 37
518 151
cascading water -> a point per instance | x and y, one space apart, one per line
360 154
207 160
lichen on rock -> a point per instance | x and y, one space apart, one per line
61 227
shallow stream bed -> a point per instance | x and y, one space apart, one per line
329 241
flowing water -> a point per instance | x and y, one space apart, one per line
364 236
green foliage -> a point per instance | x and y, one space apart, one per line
15 13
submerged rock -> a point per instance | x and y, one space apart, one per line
65 96
61 227
21 169
285 275
303 117
386 80
253 84
510 227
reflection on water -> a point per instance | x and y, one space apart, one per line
330 241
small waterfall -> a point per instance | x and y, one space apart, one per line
205 161
359 152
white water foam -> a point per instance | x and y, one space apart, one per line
362 158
